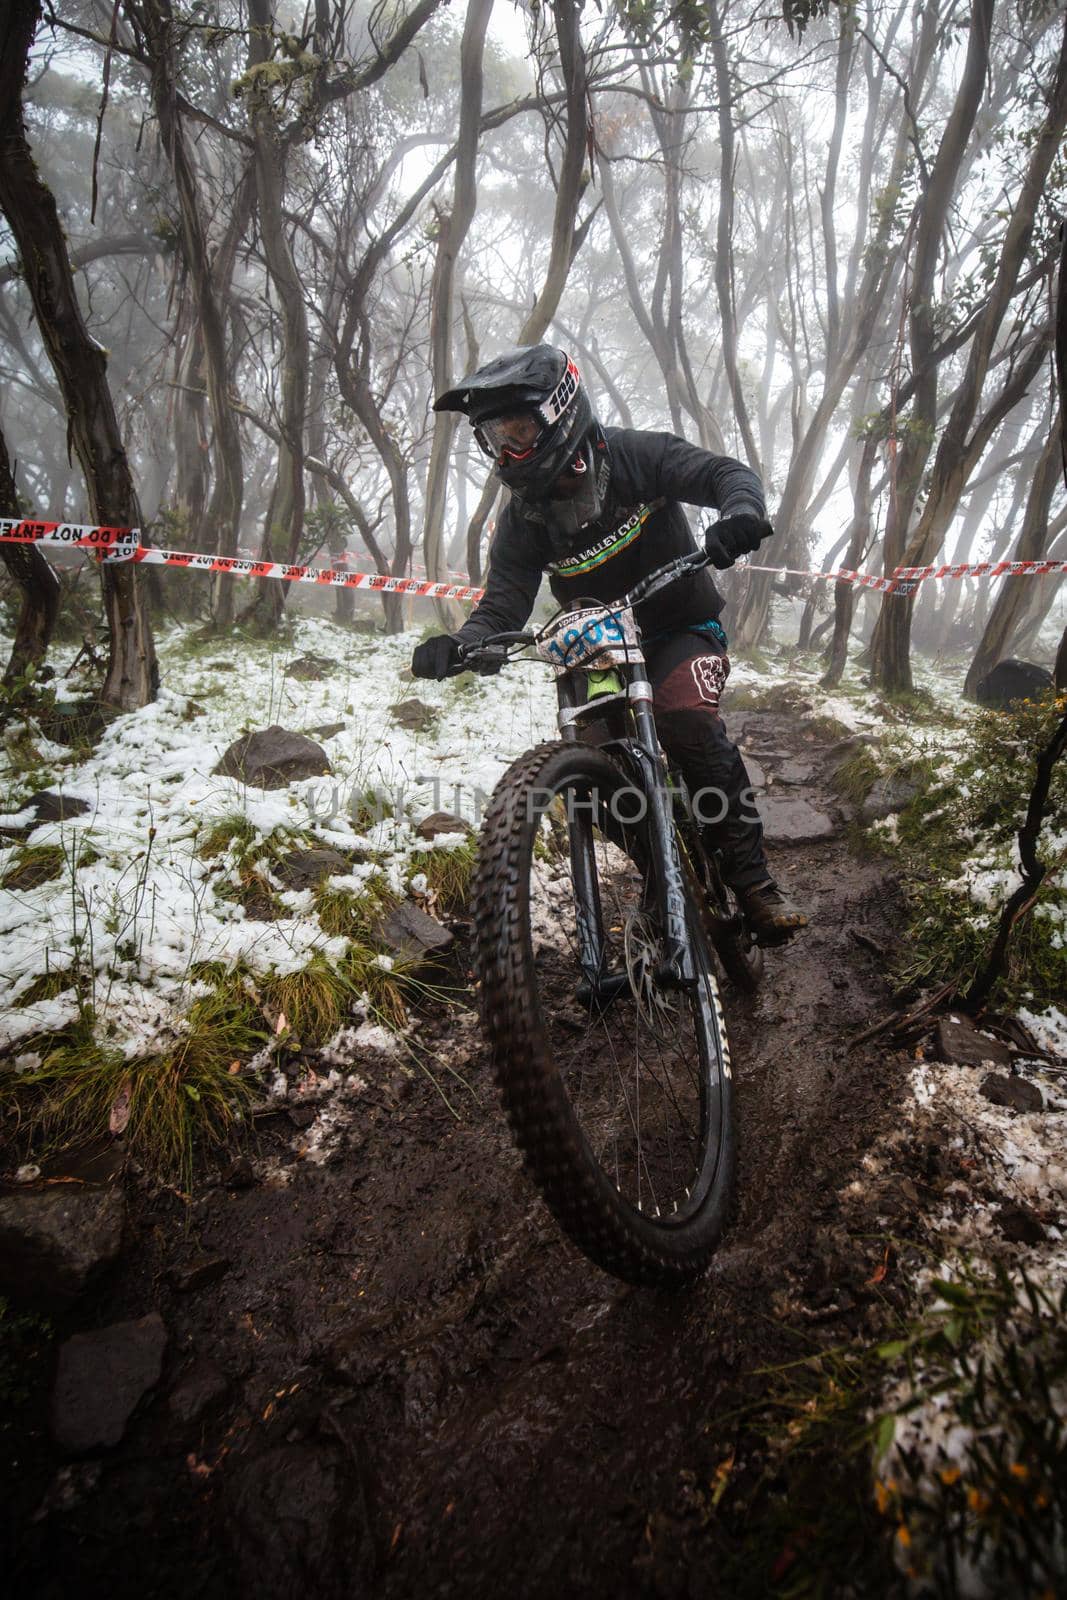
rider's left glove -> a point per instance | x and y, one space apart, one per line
435 658
735 536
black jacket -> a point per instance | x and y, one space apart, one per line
641 528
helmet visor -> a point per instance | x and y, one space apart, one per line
514 437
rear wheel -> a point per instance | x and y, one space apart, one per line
616 1083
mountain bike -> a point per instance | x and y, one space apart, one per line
598 918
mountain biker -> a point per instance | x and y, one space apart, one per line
598 509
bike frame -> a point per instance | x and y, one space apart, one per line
640 757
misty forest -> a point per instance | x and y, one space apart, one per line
417 1176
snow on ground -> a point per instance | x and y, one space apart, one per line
143 906
1008 1159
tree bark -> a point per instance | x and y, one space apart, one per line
269 162
80 365
891 664
39 585
859 317
452 232
1013 595
567 236
156 23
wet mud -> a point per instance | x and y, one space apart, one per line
388 1374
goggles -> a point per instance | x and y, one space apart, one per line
518 435
511 438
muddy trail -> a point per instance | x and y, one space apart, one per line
386 1373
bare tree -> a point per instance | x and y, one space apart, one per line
80 366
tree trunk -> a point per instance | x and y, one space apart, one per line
452 232
269 160
891 666
80 365
156 21
859 317
566 235
859 539
1013 595
39 585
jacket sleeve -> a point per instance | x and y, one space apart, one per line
511 586
699 478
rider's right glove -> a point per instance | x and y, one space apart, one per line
435 658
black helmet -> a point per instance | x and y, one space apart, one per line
539 380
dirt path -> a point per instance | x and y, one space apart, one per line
407 1383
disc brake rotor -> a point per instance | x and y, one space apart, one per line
658 1007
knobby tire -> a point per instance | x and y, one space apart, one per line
560 1125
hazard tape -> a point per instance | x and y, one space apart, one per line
118 543
326 577
866 580
124 544
983 569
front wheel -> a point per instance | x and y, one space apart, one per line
616 1083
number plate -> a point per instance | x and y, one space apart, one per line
590 640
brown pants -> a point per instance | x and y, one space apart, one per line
688 672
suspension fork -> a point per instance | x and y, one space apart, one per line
677 966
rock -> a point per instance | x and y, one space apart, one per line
55 1241
273 757
197 1273
308 668
414 714
442 822
795 772
1018 1094
306 869
959 1043
294 1513
53 807
786 698
201 1389
886 796
326 730
101 1378
757 778
302 1116
793 821
414 936
1011 681
1019 1224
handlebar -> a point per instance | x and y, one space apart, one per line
494 646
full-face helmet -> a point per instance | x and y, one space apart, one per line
531 415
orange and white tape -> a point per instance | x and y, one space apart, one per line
120 543
124 544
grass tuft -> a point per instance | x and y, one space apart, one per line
34 865
448 870
855 775
313 1002
193 1091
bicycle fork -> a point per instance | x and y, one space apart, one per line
676 967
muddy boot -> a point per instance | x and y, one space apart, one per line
772 918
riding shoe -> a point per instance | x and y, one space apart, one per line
770 916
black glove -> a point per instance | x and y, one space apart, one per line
735 536
435 658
